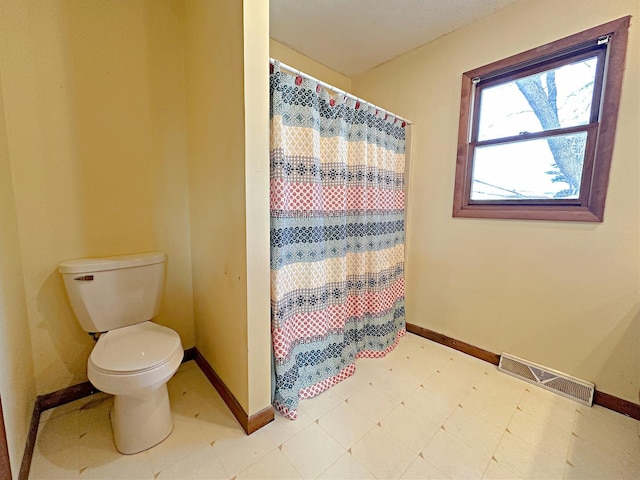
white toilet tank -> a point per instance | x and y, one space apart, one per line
113 292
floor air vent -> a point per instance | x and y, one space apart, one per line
554 381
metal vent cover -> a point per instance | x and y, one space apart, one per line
579 390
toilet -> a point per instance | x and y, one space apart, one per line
134 358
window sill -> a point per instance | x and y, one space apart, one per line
519 212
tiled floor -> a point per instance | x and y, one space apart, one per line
423 412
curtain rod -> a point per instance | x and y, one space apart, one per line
338 90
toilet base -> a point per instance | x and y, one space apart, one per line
139 423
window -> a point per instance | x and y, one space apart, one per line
536 130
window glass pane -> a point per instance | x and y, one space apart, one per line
534 169
556 98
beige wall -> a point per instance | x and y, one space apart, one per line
257 129
303 63
228 146
17 382
96 122
565 295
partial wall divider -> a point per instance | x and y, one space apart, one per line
249 423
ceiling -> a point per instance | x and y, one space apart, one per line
352 36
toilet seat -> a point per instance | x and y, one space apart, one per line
135 349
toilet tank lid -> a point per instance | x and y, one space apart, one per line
86 265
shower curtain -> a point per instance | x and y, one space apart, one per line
337 236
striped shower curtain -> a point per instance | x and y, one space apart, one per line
337 236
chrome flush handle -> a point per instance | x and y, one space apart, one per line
84 278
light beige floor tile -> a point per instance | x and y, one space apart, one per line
420 469
185 392
121 467
217 422
190 400
464 369
370 368
413 371
487 408
497 471
97 409
195 380
597 473
203 464
238 453
345 424
501 387
454 457
192 388
395 387
437 346
76 441
273 466
75 405
346 468
181 373
320 404
98 455
526 460
591 461
428 354
181 403
411 338
185 438
609 433
432 405
430 363
312 451
549 406
541 433
392 358
63 464
597 414
406 348
186 366
382 454
427 345
409 427
65 429
214 429
437 355
460 356
52 413
97 448
449 384
372 403
282 429
56 447
476 432
350 386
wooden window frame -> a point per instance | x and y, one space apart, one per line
600 134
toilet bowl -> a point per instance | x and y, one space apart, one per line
133 358
134 364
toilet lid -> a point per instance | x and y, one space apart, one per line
135 348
